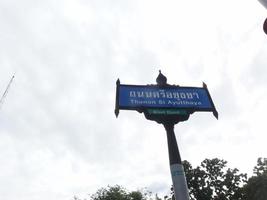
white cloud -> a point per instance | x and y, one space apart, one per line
58 132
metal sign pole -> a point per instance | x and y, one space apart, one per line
176 167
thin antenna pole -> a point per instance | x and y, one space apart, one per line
6 91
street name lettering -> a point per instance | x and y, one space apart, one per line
163 94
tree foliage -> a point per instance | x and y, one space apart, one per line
119 193
212 180
256 188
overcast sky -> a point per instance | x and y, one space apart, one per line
58 133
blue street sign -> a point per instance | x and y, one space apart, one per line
155 99
131 97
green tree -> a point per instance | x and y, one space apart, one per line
119 193
256 188
212 180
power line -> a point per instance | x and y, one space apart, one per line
6 91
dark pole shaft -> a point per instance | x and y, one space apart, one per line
174 154
176 167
